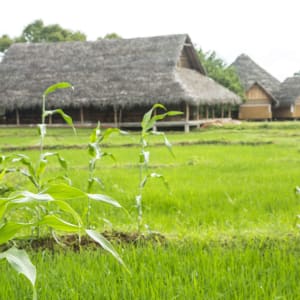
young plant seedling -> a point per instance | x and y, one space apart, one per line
148 125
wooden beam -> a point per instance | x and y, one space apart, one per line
222 111
81 115
213 112
50 119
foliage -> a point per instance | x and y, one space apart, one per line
37 32
110 36
5 42
48 206
147 125
218 70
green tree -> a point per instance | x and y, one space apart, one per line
110 36
217 69
5 42
37 32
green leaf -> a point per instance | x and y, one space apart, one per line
26 196
9 230
59 224
66 117
66 207
2 174
60 159
161 177
20 261
3 207
167 143
105 244
25 160
54 87
63 191
104 198
147 115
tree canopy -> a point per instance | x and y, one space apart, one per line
217 69
110 36
5 42
37 32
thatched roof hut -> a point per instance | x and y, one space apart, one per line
289 91
121 72
289 99
251 73
260 89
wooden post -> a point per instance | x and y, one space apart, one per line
17 117
81 115
229 110
115 116
120 117
50 119
222 111
213 112
198 116
206 112
187 118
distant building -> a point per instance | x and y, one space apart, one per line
289 99
116 81
260 90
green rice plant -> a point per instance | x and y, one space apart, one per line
147 125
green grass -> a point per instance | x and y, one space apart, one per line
252 270
230 217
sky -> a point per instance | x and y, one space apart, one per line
266 30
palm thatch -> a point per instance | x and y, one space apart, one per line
289 91
250 73
122 72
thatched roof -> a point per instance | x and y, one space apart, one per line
120 72
289 91
250 73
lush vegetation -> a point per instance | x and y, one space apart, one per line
217 69
228 221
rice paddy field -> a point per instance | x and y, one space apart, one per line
226 228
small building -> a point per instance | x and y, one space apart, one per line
260 90
115 81
289 99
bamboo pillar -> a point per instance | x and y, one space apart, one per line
81 115
206 112
17 117
115 116
222 111
229 110
120 117
198 116
187 118
213 112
